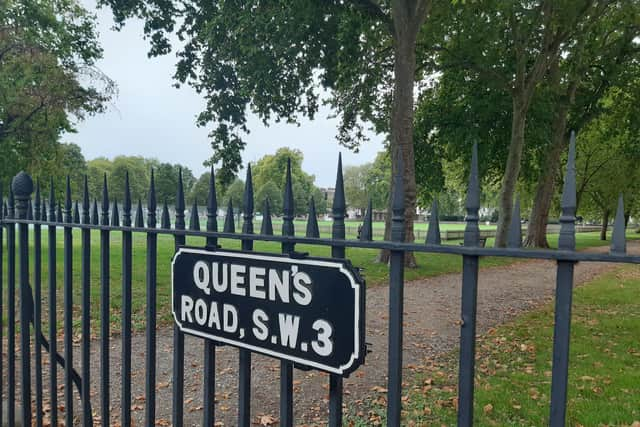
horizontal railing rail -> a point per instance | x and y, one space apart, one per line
527 253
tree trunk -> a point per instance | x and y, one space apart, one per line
383 255
537 228
605 225
512 168
406 26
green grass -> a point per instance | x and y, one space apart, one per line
351 228
422 226
514 366
376 274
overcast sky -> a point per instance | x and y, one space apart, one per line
151 118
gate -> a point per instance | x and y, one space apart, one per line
37 216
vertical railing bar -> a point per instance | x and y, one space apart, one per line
561 339
178 336
209 392
22 186
469 298
564 294
2 374
244 369
152 254
286 367
68 307
87 416
53 335
104 308
467 340
338 232
37 313
11 319
125 397
396 296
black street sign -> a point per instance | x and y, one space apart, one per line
309 311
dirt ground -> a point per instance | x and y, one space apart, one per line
431 314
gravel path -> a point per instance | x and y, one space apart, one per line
431 314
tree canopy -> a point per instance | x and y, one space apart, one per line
139 170
269 177
369 181
48 80
279 59
516 77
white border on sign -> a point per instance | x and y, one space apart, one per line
249 255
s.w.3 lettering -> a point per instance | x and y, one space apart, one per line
288 332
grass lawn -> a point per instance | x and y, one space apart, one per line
514 366
351 227
375 274
380 224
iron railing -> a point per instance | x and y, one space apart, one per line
33 216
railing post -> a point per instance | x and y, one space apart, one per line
469 299
178 336
564 294
53 319
68 304
85 234
337 232
244 356
286 367
208 398
127 268
22 187
105 313
396 296
2 216
151 279
11 310
37 309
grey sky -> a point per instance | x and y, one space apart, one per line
153 119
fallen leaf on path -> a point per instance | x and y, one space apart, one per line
268 420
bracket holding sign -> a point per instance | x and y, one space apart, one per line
309 311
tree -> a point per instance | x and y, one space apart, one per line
356 186
166 177
272 169
139 175
271 191
608 154
368 181
235 192
72 163
275 59
620 176
602 55
96 170
379 180
320 201
509 46
67 160
48 79
200 191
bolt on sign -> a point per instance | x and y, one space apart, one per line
309 311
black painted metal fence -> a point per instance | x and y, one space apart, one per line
32 215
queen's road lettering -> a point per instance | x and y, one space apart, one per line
309 311
256 282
